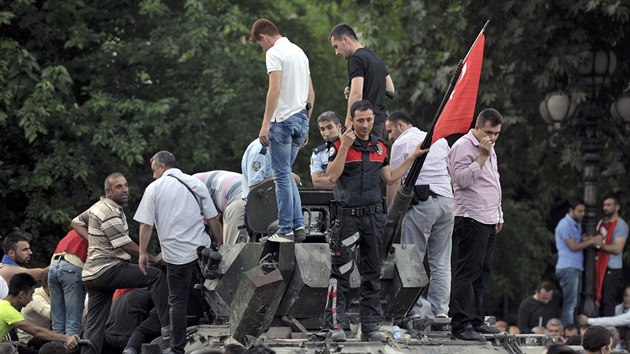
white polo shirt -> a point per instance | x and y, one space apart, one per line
290 59
435 169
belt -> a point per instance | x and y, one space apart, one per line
360 211
59 257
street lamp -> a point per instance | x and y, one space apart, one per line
556 109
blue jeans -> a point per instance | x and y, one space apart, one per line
67 297
286 137
570 283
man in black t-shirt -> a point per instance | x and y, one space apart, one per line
368 78
536 310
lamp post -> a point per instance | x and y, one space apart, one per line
557 109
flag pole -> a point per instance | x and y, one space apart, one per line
483 29
404 194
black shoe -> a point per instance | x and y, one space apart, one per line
485 329
468 334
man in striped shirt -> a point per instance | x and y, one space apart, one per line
108 266
225 189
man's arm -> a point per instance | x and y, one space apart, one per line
578 246
389 84
335 167
612 321
145 233
80 224
320 180
9 271
392 188
390 175
46 334
523 318
311 97
614 248
356 94
273 96
216 229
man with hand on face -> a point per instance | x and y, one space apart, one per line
478 218
358 162
329 128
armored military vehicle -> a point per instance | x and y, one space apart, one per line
275 293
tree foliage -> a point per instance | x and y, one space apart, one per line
532 48
89 88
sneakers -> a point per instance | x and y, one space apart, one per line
278 237
338 335
441 315
129 350
376 336
300 234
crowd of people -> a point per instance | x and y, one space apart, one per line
456 205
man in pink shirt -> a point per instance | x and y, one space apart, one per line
478 218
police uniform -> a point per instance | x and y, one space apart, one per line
319 159
359 221
255 166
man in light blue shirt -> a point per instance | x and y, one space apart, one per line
255 166
570 244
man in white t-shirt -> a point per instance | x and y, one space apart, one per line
284 130
428 224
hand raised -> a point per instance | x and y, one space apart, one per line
485 145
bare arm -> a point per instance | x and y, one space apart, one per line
216 229
46 334
392 175
389 84
356 94
392 188
79 224
311 96
615 248
273 96
131 248
320 180
577 246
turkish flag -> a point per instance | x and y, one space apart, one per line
460 107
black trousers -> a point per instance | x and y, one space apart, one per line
101 290
475 243
611 292
371 228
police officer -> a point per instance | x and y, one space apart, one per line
255 166
357 160
329 128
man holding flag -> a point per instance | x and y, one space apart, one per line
478 218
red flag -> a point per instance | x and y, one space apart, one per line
460 107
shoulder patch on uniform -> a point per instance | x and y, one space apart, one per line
256 165
379 149
318 149
332 150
